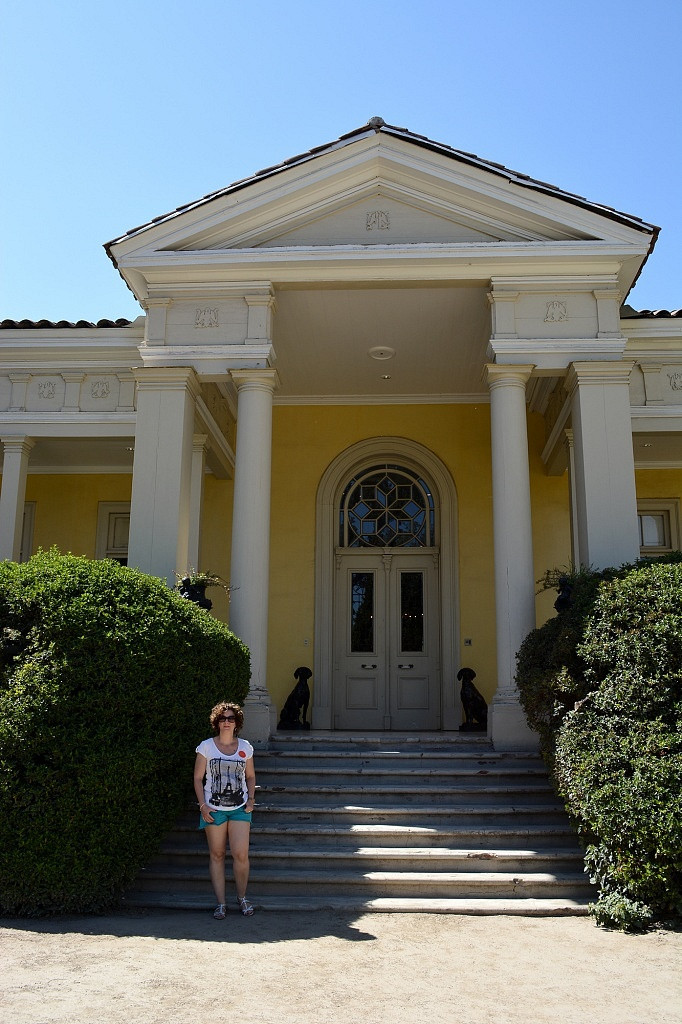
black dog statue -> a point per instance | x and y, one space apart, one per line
297 702
473 702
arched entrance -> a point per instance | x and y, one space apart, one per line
386 612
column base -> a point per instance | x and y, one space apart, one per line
259 718
508 727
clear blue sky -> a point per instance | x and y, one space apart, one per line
116 112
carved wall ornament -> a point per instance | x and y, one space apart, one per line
675 380
556 312
378 220
46 389
99 388
206 318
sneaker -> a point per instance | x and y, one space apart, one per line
219 912
244 906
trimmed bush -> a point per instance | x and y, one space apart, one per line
106 681
616 755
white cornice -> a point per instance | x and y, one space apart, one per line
209 361
554 353
654 418
431 399
652 330
576 249
61 424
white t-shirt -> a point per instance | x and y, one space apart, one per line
225 786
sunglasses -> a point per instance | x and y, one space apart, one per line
226 718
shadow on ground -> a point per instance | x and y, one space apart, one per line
271 926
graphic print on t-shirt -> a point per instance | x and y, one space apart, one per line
227 782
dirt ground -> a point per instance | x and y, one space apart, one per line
323 968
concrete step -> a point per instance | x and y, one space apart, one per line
357 904
347 741
412 814
336 881
378 771
537 837
378 795
377 858
391 760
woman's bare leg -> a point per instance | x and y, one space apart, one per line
216 836
238 833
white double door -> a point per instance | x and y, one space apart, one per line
387 640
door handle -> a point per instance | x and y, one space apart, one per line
405 666
369 666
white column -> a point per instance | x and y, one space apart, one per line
606 498
196 499
250 558
160 505
13 494
513 549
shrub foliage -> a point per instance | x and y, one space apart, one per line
602 682
106 680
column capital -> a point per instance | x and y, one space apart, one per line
600 372
500 375
255 380
167 378
22 444
200 442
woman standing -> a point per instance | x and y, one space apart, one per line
224 783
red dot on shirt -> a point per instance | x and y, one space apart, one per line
242 753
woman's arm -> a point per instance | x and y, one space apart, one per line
250 773
199 772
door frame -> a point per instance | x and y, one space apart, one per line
421 460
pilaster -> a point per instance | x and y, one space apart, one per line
17 451
160 506
200 447
604 463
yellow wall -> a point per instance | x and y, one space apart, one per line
659 483
216 538
306 439
66 508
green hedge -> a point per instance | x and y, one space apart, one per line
610 717
106 681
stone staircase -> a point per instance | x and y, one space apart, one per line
438 823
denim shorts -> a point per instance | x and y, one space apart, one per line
220 817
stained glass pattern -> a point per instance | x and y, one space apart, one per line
387 507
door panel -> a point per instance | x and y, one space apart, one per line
387 641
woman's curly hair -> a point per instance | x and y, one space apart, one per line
221 709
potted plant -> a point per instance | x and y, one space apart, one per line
193 585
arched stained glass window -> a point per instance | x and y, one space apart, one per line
387 507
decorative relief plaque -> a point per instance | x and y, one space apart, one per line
378 220
206 318
46 389
675 380
99 388
556 312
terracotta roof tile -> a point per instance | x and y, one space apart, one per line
645 314
35 325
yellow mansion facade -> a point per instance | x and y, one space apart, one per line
381 388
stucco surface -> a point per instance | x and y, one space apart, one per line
322 968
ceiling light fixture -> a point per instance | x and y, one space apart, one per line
381 352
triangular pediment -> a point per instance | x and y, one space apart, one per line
377 214
378 187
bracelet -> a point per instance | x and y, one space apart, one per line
201 806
